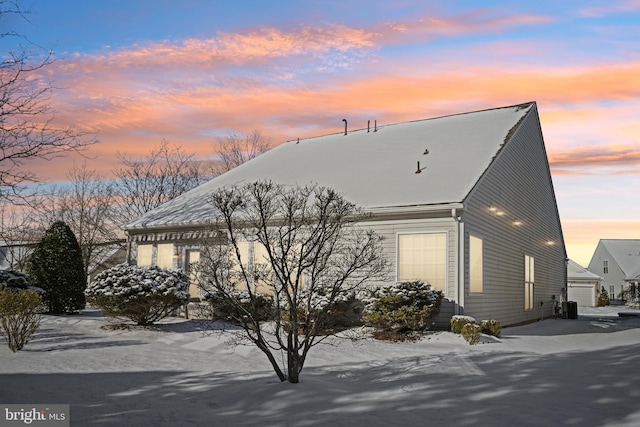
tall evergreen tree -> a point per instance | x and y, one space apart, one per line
56 266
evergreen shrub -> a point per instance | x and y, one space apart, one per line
472 332
402 308
491 327
236 305
56 266
603 298
457 322
141 294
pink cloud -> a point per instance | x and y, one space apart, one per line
626 159
472 22
611 8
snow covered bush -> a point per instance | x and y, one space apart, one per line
14 279
141 294
401 309
56 266
457 322
491 327
603 298
238 305
471 332
19 315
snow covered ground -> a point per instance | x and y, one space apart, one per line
583 372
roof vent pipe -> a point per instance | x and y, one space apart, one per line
368 125
418 170
345 126
375 126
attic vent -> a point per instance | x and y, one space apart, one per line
426 151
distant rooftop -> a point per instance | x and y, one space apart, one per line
626 253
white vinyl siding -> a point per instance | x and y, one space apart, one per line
476 273
423 257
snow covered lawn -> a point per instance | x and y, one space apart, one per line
583 372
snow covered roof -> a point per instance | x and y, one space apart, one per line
576 272
626 253
374 169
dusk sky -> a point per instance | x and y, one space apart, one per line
138 72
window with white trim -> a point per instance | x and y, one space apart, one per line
423 257
529 278
476 274
605 266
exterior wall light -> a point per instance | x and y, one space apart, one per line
517 222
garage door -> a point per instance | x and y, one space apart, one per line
583 294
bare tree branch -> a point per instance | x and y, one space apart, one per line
27 126
237 148
308 253
146 183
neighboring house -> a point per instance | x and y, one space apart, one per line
583 286
14 255
107 255
617 261
465 202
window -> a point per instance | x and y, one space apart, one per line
423 257
192 262
475 264
605 267
145 254
528 282
165 255
612 291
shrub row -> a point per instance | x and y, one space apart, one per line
471 331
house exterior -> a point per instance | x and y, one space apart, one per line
617 261
583 286
465 202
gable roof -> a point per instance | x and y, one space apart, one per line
626 253
576 272
374 169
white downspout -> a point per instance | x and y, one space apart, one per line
460 256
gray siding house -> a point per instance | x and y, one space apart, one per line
617 261
465 202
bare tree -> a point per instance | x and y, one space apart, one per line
146 183
27 127
87 205
308 252
236 148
